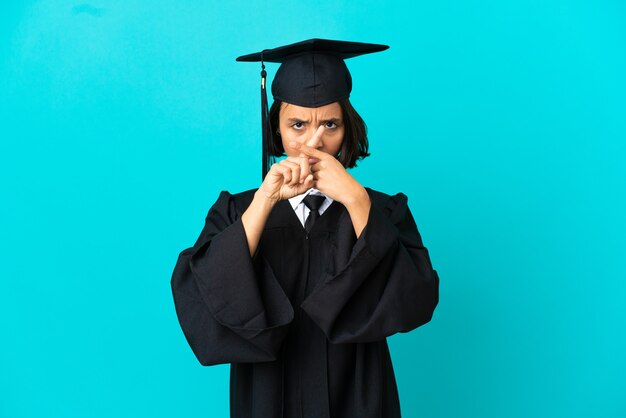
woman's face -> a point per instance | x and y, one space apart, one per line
298 124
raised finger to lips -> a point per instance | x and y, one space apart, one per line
313 160
312 153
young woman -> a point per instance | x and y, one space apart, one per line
298 283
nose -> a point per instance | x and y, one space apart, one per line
319 143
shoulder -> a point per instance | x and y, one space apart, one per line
394 206
383 199
235 203
243 198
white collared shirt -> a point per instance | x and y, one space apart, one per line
302 211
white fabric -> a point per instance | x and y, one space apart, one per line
302 211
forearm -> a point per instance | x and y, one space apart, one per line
389 271
358 207
254 219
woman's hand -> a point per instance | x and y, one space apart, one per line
330 176
291 176
287 178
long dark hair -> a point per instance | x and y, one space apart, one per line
354 146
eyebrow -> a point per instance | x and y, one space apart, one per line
296 120
335 120
293 120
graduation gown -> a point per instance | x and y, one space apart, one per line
304 321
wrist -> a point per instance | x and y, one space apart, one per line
359 206
359 198
263 201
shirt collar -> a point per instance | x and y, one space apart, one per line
296 200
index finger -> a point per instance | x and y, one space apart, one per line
311 152
311 142
315 139
305 168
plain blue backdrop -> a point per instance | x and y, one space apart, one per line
503 121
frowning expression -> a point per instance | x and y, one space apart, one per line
299 123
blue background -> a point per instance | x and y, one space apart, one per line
503 121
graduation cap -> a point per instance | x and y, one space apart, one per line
312 74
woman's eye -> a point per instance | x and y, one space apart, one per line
331 125
298 125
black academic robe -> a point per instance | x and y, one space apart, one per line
304 322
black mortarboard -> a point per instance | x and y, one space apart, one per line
312 74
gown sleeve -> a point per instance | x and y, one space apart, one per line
387 286
230 306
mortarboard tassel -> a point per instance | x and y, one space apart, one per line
265 129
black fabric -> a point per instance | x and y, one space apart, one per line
313 202
313 72
304 322
312 80
343 49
